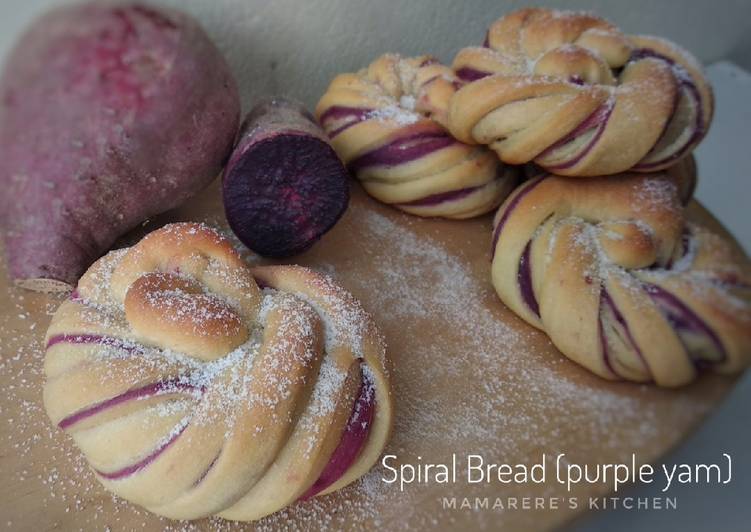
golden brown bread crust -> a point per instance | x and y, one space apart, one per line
574 94
387 122
611 271
195 385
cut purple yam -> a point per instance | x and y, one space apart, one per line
403 150
699 340
141 464
144 392
337 119
354 438
524 278
520 193
469 74
598 119
610 314
284 186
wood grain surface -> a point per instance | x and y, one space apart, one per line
468 376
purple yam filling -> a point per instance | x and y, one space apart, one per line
453 195
685 244
521 192
442 197
576 79
403 150
598 119
354 438
109 341
609 311
524 278
689 90
699 340
211 465
469 74
149 390
686 89
283 193
343 117
138 466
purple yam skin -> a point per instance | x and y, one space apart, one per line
284 186
108 115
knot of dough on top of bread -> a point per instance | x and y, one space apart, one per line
387 123
187 290
572 93
196 385
622 284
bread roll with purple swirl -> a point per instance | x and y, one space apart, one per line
196 386
572 93
609 268
387 122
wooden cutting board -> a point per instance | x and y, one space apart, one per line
468 377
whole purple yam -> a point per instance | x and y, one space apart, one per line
284 186
109 114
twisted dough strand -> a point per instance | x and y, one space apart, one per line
197 386
578 97
609 269
387 122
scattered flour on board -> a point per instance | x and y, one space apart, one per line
516 399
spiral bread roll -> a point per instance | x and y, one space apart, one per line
387 122
197 386
611 271
572 93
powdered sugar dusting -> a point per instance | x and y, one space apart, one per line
395 113
420 290
655 194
